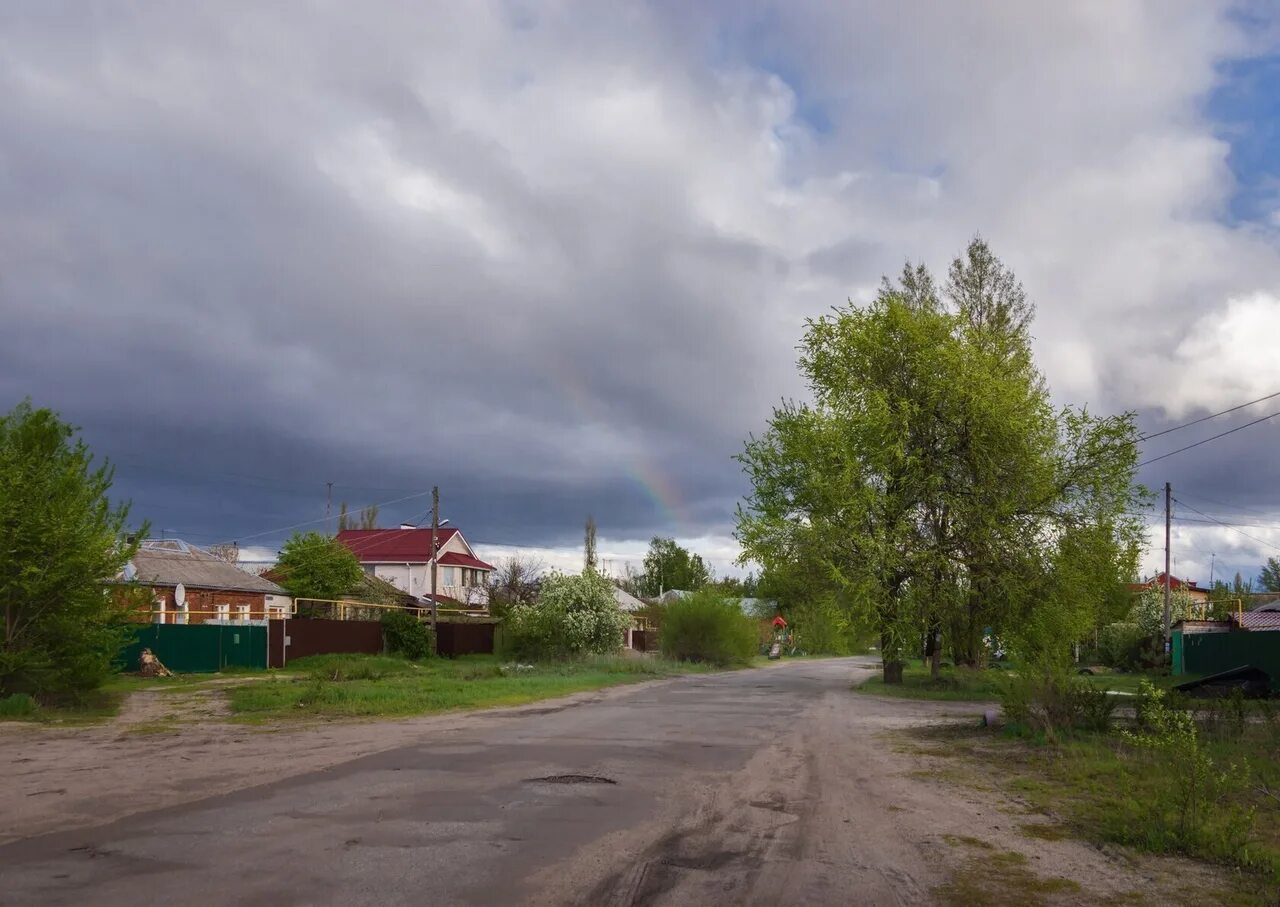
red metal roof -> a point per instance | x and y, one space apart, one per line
393 545
454 559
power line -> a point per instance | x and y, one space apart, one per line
1206 418
380 504
1244 507
1210 438
1232 528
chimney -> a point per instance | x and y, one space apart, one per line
408 526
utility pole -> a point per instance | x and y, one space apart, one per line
1168 579
435 551
328 502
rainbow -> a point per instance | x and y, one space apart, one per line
640 468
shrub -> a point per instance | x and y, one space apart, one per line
1124 646
707 627
1191 812
1048 700
405 635
19 705
574 615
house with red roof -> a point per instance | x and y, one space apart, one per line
1197 593
403 557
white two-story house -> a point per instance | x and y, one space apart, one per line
403 557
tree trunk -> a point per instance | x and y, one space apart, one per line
933 652
893 672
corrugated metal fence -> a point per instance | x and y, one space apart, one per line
1212 653
198 648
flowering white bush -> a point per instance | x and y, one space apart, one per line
1148 610
574 615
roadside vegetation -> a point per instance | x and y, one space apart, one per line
333 686
1197 779
61 538
948 684
708 628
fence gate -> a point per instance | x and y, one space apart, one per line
198 648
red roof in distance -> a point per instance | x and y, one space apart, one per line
371 546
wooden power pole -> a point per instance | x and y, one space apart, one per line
1168 579
435 551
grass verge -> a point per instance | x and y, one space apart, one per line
377 686
1101 788
983 685
953 684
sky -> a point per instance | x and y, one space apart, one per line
555 258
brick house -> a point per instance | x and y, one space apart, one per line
212 590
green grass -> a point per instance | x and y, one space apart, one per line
983 685
954 684
369 686
1101 788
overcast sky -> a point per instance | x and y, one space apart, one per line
555 257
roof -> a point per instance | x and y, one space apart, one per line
1258 620
167 562
455 559
1157 582
626 601
394 545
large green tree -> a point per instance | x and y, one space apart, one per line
317 566
931 483
668 565
61 543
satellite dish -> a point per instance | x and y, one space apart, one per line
130 572
180 595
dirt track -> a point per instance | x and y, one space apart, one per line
778 786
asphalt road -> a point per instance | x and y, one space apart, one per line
764 786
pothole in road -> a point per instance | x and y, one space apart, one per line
571 779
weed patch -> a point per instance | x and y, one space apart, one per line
1001 878
370 686
953 684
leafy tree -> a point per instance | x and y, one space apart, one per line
668 565
61 542
312 565
1269 578
932 486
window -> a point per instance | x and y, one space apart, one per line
244 612
224 611
157 607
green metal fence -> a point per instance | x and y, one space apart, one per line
1212 653
198 648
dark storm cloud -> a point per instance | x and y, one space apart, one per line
557 260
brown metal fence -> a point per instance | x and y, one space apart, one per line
469 638
290 640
